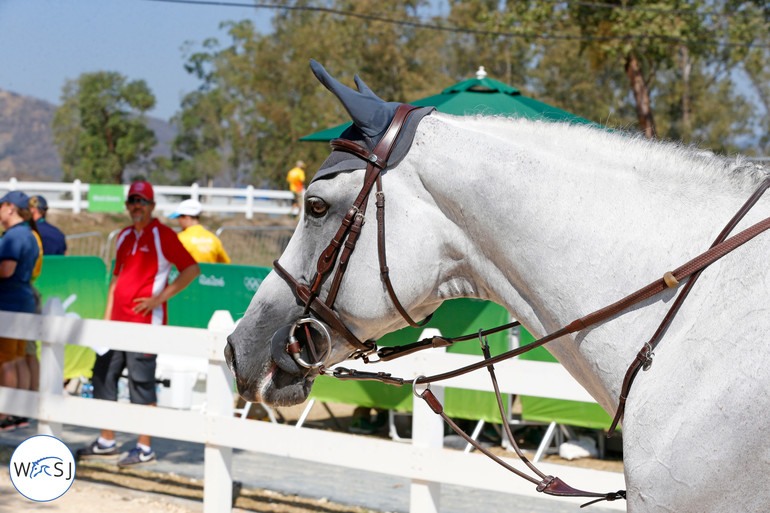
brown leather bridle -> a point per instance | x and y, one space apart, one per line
347 234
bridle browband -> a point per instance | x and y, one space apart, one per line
347 234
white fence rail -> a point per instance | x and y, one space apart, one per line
423 461
249 201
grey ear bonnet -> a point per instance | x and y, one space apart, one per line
371 117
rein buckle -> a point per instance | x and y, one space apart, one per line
343 373
647 354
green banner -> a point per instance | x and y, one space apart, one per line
74 286
574 413
218 287
453 318
79 286
105 198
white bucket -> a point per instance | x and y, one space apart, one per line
179 393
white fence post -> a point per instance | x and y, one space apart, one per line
250 202
427 431
218 460
76 196
50 386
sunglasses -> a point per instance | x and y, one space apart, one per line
137 200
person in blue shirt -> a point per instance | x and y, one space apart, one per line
18 253
54 242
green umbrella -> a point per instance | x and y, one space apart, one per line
480 95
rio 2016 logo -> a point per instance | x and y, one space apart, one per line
42 468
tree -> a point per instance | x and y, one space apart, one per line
754 60
563 78
757 67
625 63
201 150
504 58
644 38
100 127
678 59
267 99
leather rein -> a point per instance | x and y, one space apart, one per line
347 235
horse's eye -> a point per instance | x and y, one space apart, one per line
316 207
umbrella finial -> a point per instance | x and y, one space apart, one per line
481 73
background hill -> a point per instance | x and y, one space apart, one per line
27 150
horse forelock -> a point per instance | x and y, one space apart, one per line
653 160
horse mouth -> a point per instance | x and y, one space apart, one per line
271 382
277 388
280 388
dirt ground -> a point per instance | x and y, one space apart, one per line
98 484
136 490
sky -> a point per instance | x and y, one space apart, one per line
43 43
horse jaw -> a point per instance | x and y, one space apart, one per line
248 350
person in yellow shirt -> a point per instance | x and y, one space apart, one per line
203 245
296 179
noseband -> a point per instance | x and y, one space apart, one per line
347 235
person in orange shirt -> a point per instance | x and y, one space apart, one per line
296 179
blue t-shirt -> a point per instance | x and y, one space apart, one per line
52 238
18 244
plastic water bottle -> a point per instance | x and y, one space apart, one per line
87 390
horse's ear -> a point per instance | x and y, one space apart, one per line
370 114
362 87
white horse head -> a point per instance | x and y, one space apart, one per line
554 221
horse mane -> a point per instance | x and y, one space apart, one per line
653 160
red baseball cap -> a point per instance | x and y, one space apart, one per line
143 189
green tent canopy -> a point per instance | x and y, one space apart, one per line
480 95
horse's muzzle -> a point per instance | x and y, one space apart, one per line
230 356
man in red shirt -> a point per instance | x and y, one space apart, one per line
138 292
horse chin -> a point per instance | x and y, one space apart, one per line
281 388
